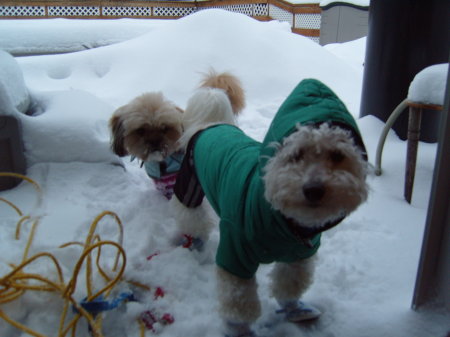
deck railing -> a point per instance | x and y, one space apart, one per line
303 19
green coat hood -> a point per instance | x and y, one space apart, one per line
310 103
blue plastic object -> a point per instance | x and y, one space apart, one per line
100 304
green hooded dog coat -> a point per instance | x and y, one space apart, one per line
229 167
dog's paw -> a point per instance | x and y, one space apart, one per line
300 311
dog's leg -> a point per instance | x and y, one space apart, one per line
239 304
289 283
196 222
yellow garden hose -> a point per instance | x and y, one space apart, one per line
17 282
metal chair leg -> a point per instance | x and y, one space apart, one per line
391 120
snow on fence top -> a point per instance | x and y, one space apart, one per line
428 86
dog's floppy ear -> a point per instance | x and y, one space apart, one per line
117 130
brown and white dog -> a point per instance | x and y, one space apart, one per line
150 126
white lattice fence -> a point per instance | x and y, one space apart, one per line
260 10
280 14
257 9
298 21
22 11
173 11
127 11
308 21
73 11
246 9
242 9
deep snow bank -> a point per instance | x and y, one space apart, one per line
172 57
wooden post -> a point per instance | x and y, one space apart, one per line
433 274
415 117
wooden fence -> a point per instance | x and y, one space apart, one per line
303 19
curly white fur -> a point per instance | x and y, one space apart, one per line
207 107
238 298
197 222
325 156
291 280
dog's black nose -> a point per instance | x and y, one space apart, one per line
314 191
154 142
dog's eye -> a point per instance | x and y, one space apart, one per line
297 156
140 131
336 156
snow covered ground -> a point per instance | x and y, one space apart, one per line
70 35
367 268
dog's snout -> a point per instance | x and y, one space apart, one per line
314 191
154 141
